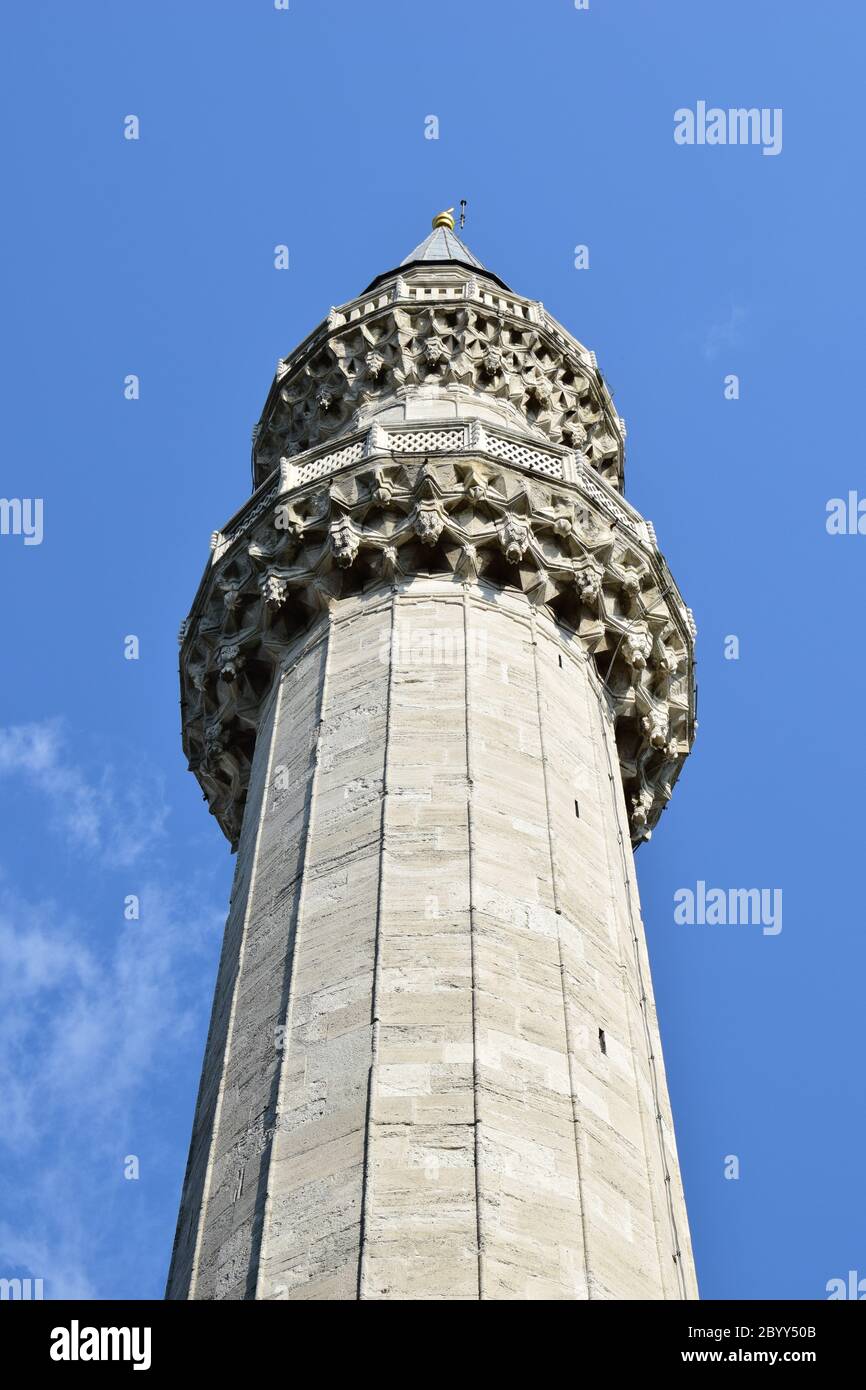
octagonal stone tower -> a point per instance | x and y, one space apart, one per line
437 681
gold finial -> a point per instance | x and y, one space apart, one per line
444 219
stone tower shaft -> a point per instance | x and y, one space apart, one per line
437 680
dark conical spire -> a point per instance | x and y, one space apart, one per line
443 245
441 248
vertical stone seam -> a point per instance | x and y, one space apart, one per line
627 879
292 951
616 917
366 1178
215 1129
470 832
568 1043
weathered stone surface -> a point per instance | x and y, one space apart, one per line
439 338
432 701
555 542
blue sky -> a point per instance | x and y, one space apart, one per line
155 257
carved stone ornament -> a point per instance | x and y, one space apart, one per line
382 346
460 518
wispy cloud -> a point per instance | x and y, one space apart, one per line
119 822
726 333
64 1255
83 1020
86 1028
93 1016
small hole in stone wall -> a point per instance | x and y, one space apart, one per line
560 658
577 810
602 1041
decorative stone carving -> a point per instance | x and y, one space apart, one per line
641 810
464 561
435 351
588 576
362 357
231 598
475 485
631 585
229 661
655 726
636 647
216 739
429 519
575 433
375 364
344 541
383 488
274 590
460 518
491 360
514 535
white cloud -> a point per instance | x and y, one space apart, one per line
82 1021
87 1024
92 1016
64 1257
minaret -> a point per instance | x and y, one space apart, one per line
437 682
